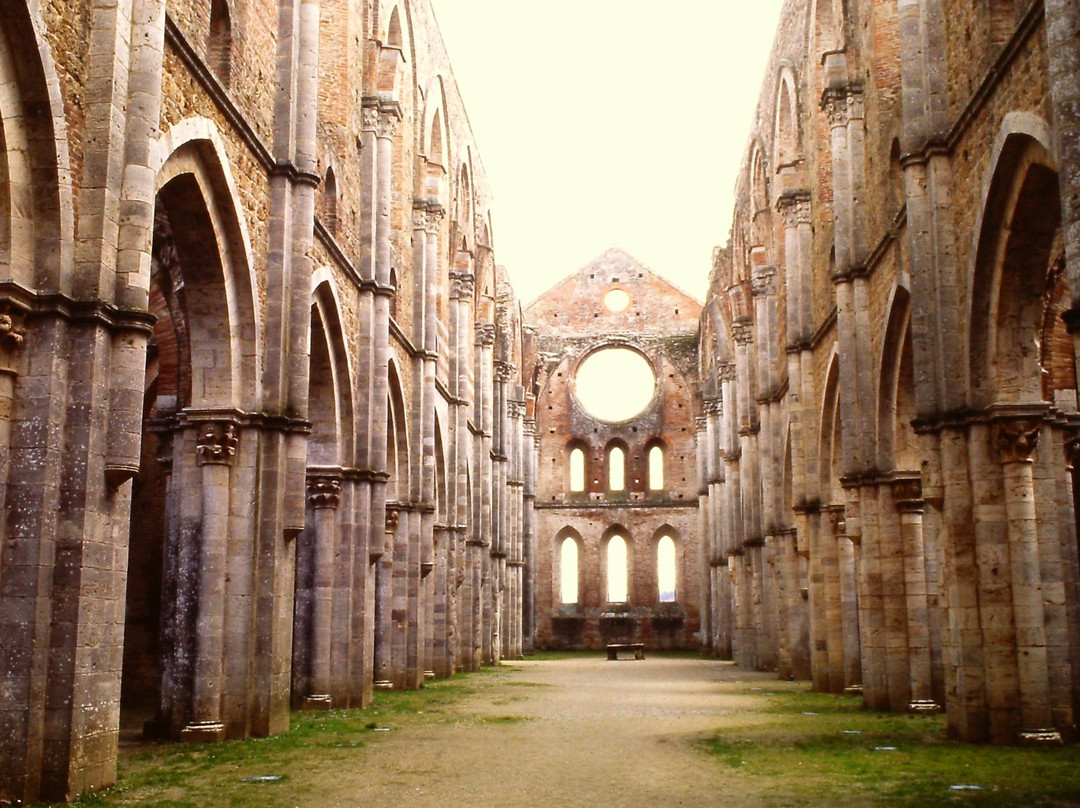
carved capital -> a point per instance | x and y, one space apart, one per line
485 334
380 119
714 406
393 517
836 514
1015 440
504 371
427 216
907 494
742 331
794 208
462 285
701 423
763 282
216 443
324 491
843 105
1072 451
12 336
726 372
516 409
528 426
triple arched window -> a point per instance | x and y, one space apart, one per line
616 464
616 569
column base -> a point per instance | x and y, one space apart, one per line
321 702
1039 737
925 706
384 684
203 732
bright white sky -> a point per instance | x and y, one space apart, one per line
606 123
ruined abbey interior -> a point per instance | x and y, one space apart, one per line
275 430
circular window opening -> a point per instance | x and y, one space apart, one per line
614 384
616 300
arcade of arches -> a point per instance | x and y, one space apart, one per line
275 430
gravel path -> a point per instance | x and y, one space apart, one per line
578 732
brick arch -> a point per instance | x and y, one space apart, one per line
198 198
830 433
896 442
1013 280
787 133
36 202
397 436
214 310
331 394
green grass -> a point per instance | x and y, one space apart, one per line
173 775
813 749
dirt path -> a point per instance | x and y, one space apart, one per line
569 733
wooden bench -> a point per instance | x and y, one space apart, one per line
637 647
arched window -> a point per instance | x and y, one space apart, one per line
656 469
577 470
330 195
665 569
219 52
616 570
616 469
393 31
568 566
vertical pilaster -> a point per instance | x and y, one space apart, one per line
215 450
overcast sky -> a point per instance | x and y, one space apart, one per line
606 123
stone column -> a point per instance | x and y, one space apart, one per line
324 497
908 499
706 534
384 573
1015 442
215 449
483 489
528 535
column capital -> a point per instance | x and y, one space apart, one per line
1072 450
216 443
713 406
843 105
462 285
324 491
485 334
380 117
427 216
504 371
516 408
795 208
742 331
1015 439
701 423
12 336
727 371
907 494
393 517
763 281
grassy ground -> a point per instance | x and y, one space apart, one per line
263 772
783 743
807 748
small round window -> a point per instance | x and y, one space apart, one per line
614 384
616 300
